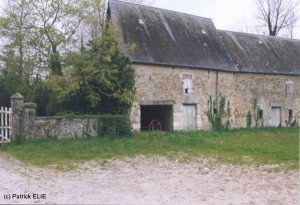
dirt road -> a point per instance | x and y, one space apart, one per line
147 180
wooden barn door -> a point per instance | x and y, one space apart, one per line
275 116
189 117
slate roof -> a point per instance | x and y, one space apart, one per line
263 54
171 38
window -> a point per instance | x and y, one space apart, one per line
290 113
261 114
187 83
289 89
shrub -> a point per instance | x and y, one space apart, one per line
114 125
218 115
19 139
249 119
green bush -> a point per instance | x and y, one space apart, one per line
114 125
108 124
19 139
218 115
249 119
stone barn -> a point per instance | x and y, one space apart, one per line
182 60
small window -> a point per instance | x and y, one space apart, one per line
289 90
187 83
290 113
261 114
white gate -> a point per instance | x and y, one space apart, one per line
5 124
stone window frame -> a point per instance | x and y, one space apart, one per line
187 83
289 89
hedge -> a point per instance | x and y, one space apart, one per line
114 125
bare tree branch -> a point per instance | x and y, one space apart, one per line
277 15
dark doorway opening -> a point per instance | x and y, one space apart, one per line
156 117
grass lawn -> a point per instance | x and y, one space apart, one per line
263 146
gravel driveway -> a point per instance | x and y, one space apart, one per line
147 180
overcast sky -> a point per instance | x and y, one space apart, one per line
226 14
234 15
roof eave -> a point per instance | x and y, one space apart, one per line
214 69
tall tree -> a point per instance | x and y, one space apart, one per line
291 27
16 31
42 29
95 19
277 15
98 80
58 21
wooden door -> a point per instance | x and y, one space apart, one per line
189 117
275 116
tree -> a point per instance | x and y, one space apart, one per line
18 53
19 58
277 15
58 21
98 80
41 34
41 29
35 36
291 27
95 18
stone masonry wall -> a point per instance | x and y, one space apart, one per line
65 128
159 84
26 123
269 90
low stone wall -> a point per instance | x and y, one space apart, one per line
61 127
27 124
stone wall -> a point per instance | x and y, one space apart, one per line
159 84
62 127
26 123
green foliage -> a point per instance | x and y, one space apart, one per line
19 139
40 37
241 146
9 85
255 108
38 34
249 119
255 115
98 80
217 114
33 90
18 54
114 125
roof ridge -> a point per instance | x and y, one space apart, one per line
260 35
157 8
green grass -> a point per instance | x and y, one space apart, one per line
263 146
